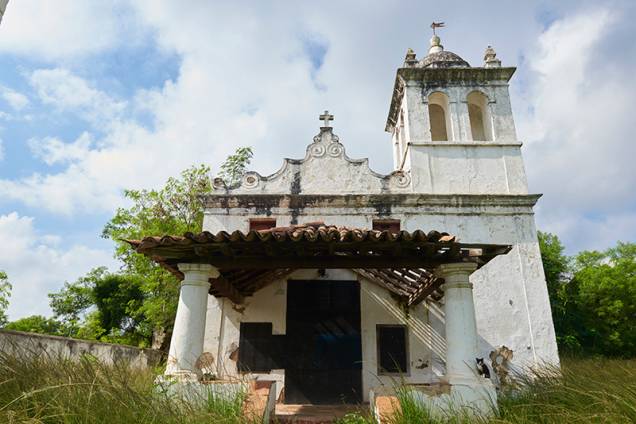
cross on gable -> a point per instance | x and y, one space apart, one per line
326 118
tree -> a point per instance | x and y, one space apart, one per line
174 209
593 297
606 299
102 306
137 305
37 324
235 165
70 304
556 264
5 293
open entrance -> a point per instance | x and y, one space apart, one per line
324 350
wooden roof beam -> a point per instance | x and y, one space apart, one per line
226 289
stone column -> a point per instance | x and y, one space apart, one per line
186 344
461 327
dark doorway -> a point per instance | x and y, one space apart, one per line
324 350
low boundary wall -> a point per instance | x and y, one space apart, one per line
27 344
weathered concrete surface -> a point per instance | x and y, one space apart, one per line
326 169
474 189
510 295
32 344
426 345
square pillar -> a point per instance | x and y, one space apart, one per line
186 344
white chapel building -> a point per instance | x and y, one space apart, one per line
334 280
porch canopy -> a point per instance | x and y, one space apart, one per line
402 262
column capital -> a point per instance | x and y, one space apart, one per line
194 273
462 268
187 266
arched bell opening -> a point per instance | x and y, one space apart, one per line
479 116
439 116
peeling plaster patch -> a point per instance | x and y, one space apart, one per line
421 364
500 360
205 363
234 352
239 309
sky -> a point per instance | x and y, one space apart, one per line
100 96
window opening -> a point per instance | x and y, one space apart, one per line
392 225
392 349
260 224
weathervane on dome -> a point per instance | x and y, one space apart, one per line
437 25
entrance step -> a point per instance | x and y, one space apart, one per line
315 414
255 404
387 407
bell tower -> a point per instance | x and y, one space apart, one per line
452 125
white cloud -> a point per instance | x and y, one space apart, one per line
258 86
53 150
68 92
15 99
579 130
38 264
63 28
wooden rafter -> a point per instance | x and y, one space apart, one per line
226 289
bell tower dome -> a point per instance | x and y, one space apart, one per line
452 125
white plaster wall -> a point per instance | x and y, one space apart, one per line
462 165
425 341
500 110
415 109
467 168
511 299
326 169
267 305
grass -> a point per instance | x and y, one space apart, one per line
593 390
53 390
45 390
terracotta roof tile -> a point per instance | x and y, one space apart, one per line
311 232
320 243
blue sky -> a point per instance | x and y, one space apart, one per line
99 96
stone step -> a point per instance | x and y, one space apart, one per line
387 407
255 403
314 414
